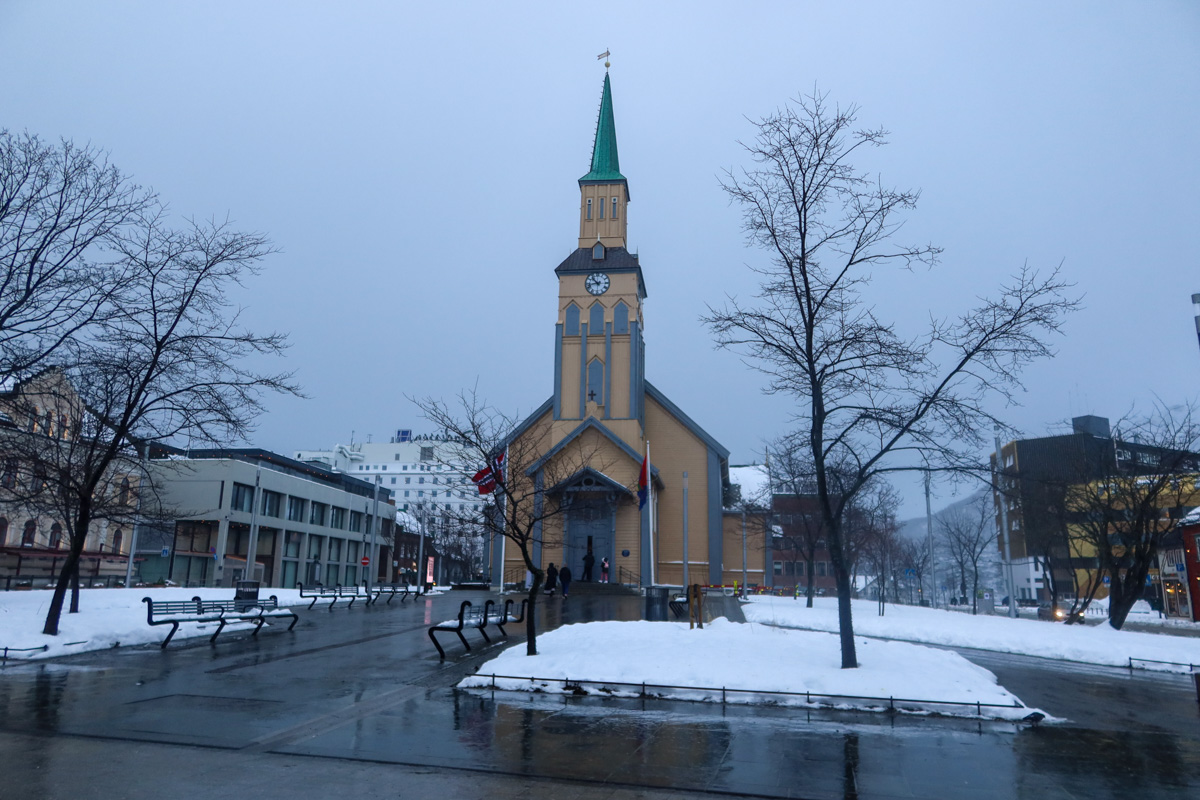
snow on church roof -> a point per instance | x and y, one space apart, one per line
755 483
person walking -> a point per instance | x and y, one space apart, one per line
564 577
589 561
551 579
604 570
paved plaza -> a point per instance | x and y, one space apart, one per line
355 702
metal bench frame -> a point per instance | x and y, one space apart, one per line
174 612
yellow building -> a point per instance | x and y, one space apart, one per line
583 448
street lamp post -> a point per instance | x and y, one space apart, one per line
1005 534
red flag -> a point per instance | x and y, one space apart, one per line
487 477
643 482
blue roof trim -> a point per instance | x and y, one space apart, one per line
587 424
688 422
595 475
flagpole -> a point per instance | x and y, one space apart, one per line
650 487
502 483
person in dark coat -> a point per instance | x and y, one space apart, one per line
551 578
589 561
564 577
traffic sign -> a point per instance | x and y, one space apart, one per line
366 561
166 552
1107 580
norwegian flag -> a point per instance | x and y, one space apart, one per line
643 482
487 477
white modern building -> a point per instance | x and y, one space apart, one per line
424 473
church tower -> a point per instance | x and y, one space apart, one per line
599 364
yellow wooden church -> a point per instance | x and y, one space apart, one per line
585 445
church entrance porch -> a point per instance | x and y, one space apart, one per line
591 528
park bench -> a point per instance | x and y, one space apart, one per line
330 593
391 590
173 612
479 620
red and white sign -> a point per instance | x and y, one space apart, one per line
366 561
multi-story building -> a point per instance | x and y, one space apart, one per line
1035 480
424 473
310 524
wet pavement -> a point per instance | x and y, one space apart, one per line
357 701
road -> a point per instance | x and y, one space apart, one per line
356 701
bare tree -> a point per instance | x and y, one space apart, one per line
870 523
521 507
172 364
967 532
915 559
1119 519
872 401
59 205
798 512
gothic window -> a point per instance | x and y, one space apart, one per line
116 541
33 419
614 211
28 534
56 536
597 252
621 318
8 479
601 208
572 326
123 494
596 381
589 208
596 318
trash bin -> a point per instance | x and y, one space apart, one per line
245 595
657 598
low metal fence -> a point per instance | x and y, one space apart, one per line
7 650
645 691
1191 668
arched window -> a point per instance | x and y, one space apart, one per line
33 420
595 381
56 536
116 540
8 478
63 427
621 317
597 251
589 208
29 533
614 214
123 495
48 424
596 319
572 326
601 208
3 530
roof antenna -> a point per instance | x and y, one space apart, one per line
605 56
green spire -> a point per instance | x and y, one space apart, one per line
605 165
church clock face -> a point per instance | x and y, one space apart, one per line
596 283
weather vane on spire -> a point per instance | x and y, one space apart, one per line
605 56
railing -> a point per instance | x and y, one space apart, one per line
644 692
7 650
628 577
1192 668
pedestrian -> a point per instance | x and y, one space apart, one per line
564 577
604 570
551 579
589 561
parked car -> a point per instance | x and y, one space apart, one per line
1047 611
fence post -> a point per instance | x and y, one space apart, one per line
978 709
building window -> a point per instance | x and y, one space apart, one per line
3 530
272 503
596 381
589 208
408 480
427 454
393 481
621 318
335 548
295 507
601 208
614 213
8 479
597 252
571 328
242 498
316 515
337 519
356 521
596 319
117 536
123 494
778 567
421 479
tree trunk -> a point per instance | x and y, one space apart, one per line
975 592
845 617
810 591
60 591
75 589
1123 593
531 615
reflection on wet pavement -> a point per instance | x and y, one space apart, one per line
366 685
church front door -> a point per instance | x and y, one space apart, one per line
589 524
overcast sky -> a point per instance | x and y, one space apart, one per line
416 165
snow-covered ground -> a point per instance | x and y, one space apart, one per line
108 618
1094 644
616 658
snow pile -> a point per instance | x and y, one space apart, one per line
1094 644
616 658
